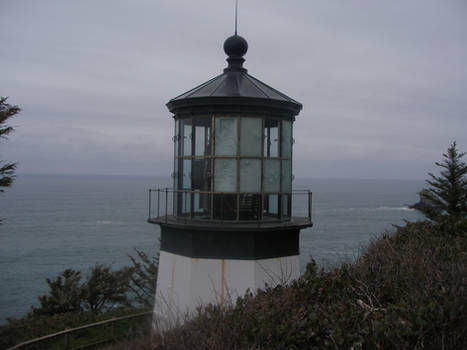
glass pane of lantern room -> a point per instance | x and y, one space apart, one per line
179 174
286 205
187 136
225 175
271 205
272 169
250 175
250 137
201 174
287 176
225 207
286 139
186 177
175 203
183 203
176 148
249 206
176 137
202 205
271 138
226 136
186 203
202 136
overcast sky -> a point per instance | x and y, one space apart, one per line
383 83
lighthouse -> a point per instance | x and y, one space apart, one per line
227 225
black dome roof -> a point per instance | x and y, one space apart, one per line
234 87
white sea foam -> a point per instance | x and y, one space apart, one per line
363 209
395 208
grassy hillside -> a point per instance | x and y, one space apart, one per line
406 291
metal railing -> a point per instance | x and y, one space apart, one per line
64 340
161 206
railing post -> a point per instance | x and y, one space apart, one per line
309 205
184 205
158 200
149 206
281 207
166 200
67 341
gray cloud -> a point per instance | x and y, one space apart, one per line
382 82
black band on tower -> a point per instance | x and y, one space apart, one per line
244 245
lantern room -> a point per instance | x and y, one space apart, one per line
232 166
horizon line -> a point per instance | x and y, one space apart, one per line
168 177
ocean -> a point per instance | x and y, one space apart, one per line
51 223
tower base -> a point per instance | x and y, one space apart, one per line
185 283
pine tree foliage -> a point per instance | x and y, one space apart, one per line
105 289
447 195
143 278
7 170
65 294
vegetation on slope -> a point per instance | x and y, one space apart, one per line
70 302
407 291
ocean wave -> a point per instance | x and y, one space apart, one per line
104 222
363 209
395 208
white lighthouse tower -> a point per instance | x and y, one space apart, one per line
227 224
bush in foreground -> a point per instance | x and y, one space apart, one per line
406 291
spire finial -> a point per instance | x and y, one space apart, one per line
236 16
235 47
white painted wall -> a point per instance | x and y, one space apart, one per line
184 283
